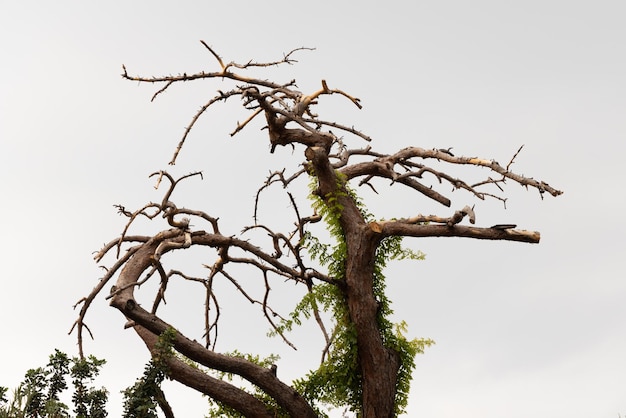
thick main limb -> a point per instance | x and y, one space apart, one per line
124 301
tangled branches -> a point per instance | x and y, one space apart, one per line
286 256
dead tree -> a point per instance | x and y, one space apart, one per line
336 170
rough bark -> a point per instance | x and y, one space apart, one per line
379 365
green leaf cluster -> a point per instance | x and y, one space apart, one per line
88 401
142 399
39 394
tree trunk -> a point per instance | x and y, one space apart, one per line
379 365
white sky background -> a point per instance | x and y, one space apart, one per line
521 330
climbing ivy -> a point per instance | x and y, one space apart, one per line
337 381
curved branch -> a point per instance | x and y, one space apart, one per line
194 378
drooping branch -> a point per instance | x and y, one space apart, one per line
257 375
181 237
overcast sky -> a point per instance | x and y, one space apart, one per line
521 330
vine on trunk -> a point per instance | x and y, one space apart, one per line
337 381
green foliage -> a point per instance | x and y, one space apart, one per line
88 401
39 394
337 381
141 399
59 365
36 382
393 335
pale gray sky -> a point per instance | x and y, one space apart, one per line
521 330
